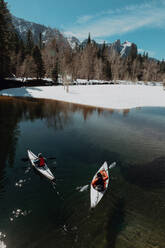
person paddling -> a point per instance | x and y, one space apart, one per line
99 183
40 161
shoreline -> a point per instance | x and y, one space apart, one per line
98 96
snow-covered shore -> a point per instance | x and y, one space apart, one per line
104 96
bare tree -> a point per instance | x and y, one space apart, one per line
28 68
67 79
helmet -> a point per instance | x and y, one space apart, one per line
39 155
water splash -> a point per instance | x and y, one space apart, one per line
2 235
27 170
21 182
17 213
54 184
65 228
2 244
68 228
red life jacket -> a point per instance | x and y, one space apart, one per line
42 162
100 181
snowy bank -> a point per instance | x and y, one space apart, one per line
104 96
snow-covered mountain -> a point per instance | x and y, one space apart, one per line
125 48
73 42
22 26
122 48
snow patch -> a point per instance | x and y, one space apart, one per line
116 96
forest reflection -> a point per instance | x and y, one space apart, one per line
56 114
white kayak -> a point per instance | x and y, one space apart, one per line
43 170
95 195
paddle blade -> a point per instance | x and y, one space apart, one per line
112 165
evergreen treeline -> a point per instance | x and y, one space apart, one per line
28 59
18 57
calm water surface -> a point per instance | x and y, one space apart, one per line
34 213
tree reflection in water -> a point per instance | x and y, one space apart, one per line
13 110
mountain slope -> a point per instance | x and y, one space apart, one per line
22 26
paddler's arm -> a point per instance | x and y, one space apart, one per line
104 174
93 182
105 178
36 161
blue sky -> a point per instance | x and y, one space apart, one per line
138 21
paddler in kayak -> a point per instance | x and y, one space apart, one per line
40 161
99 183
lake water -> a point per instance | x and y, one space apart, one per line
34 213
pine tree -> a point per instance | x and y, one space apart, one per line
29 43
103 49
22 51
162 67
15 49
55 72
5 42
40 71
133 52
40 41
15 43
89 39
107 73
